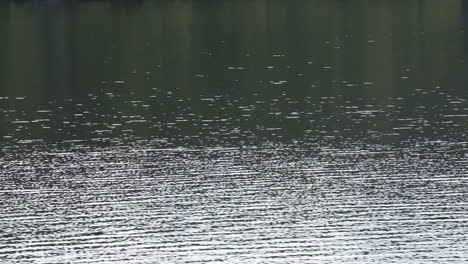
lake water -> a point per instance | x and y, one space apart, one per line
318 131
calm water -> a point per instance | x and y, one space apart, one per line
318 131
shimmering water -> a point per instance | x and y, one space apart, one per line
233 132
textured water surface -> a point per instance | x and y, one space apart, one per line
330 197
233 132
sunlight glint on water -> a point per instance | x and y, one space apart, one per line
233 132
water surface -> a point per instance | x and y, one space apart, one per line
233 132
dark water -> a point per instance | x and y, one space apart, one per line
256 131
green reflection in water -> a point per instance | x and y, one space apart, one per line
359 48
256 50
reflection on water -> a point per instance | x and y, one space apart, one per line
162 118
315 48
230 205
233 132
